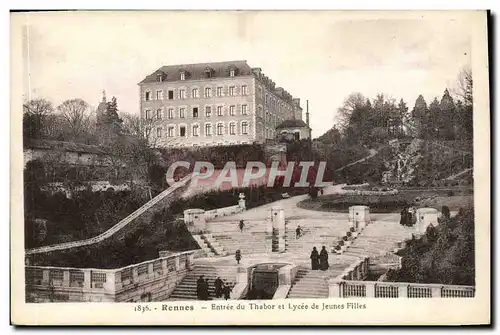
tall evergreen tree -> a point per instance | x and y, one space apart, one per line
445 119
432 125
404 118
113 120
419 115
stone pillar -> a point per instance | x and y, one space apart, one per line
425 217
241 202
150 271
87 279
177 263
403 291
110 284
370 289
359 217
135 275
45 277
278 222
436 292
164 265
194 219
190 262
334 288
66 280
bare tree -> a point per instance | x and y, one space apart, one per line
464 86
40 107
76 114
344 113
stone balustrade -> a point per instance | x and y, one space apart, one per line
78 284
376 289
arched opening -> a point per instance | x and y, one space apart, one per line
264 281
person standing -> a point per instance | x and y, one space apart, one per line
199 287
238 256
218 287
314 259
207 289
227 291
242 225
298 232
323 259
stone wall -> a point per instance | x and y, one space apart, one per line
153 280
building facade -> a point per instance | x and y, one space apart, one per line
225 103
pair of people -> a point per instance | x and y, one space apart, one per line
298 232
202 289
319 261
221 289
407 216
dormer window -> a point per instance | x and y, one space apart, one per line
209 72
160 77
231 73
183 75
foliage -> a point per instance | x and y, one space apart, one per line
444 255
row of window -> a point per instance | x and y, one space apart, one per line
219 130
208 92
160 77
244 110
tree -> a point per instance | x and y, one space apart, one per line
419 115
34 113
446 117
114 122
405 121
76 116
465 86
344 113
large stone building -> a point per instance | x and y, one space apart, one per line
225 103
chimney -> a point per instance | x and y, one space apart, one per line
307 112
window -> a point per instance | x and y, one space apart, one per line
158 132
183 76
208 111
219 91
170 113
260 92
244 90
159 77
196 130
208 92
244 110
147 114
182 131
170 95
159 95
244 128
232 129
267 100
231 90
231 73
195 112
182 112
158 114
182 94
219 111
148 96
147 131
220 129
231 110
194 93
170 131
208 129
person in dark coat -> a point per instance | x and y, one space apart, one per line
323 259
227 291
218 287
242 225
237 256
298 232
404 217
199 287
314 259
207 289
203 290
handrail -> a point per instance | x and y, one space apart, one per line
110 232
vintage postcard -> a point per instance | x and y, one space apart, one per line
250 168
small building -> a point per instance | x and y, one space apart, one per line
294 130
70 153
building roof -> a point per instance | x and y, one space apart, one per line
63 146
292 124
197 71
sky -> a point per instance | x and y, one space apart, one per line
317 56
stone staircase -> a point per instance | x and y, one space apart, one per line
186 289
378 238
314 284
253 239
